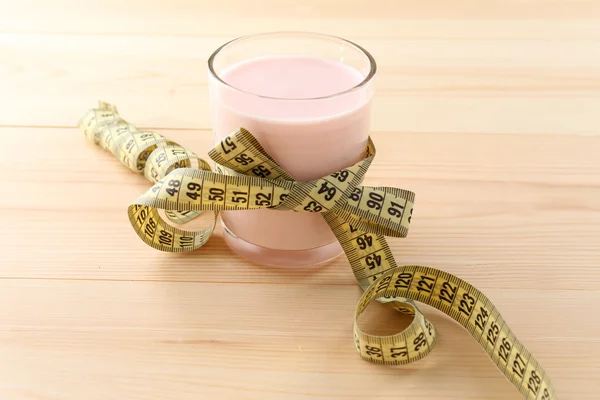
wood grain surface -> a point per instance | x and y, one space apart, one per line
488 110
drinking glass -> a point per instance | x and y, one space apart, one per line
307 98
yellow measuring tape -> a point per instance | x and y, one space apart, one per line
360 216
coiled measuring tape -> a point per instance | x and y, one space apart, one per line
248 178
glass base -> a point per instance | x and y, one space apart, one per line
281 258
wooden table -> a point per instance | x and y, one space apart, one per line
498 101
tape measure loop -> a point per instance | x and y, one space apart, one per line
247 177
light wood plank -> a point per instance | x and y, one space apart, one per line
485 85
257 341
378 18
510 210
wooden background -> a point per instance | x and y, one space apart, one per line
499 102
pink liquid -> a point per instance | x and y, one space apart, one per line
309 137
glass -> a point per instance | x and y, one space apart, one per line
306 97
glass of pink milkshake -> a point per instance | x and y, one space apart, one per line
306 97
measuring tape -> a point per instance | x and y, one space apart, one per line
249 178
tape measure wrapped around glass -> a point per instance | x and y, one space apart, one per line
360 217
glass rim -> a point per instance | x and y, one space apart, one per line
367 79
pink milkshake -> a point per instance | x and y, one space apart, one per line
310 112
